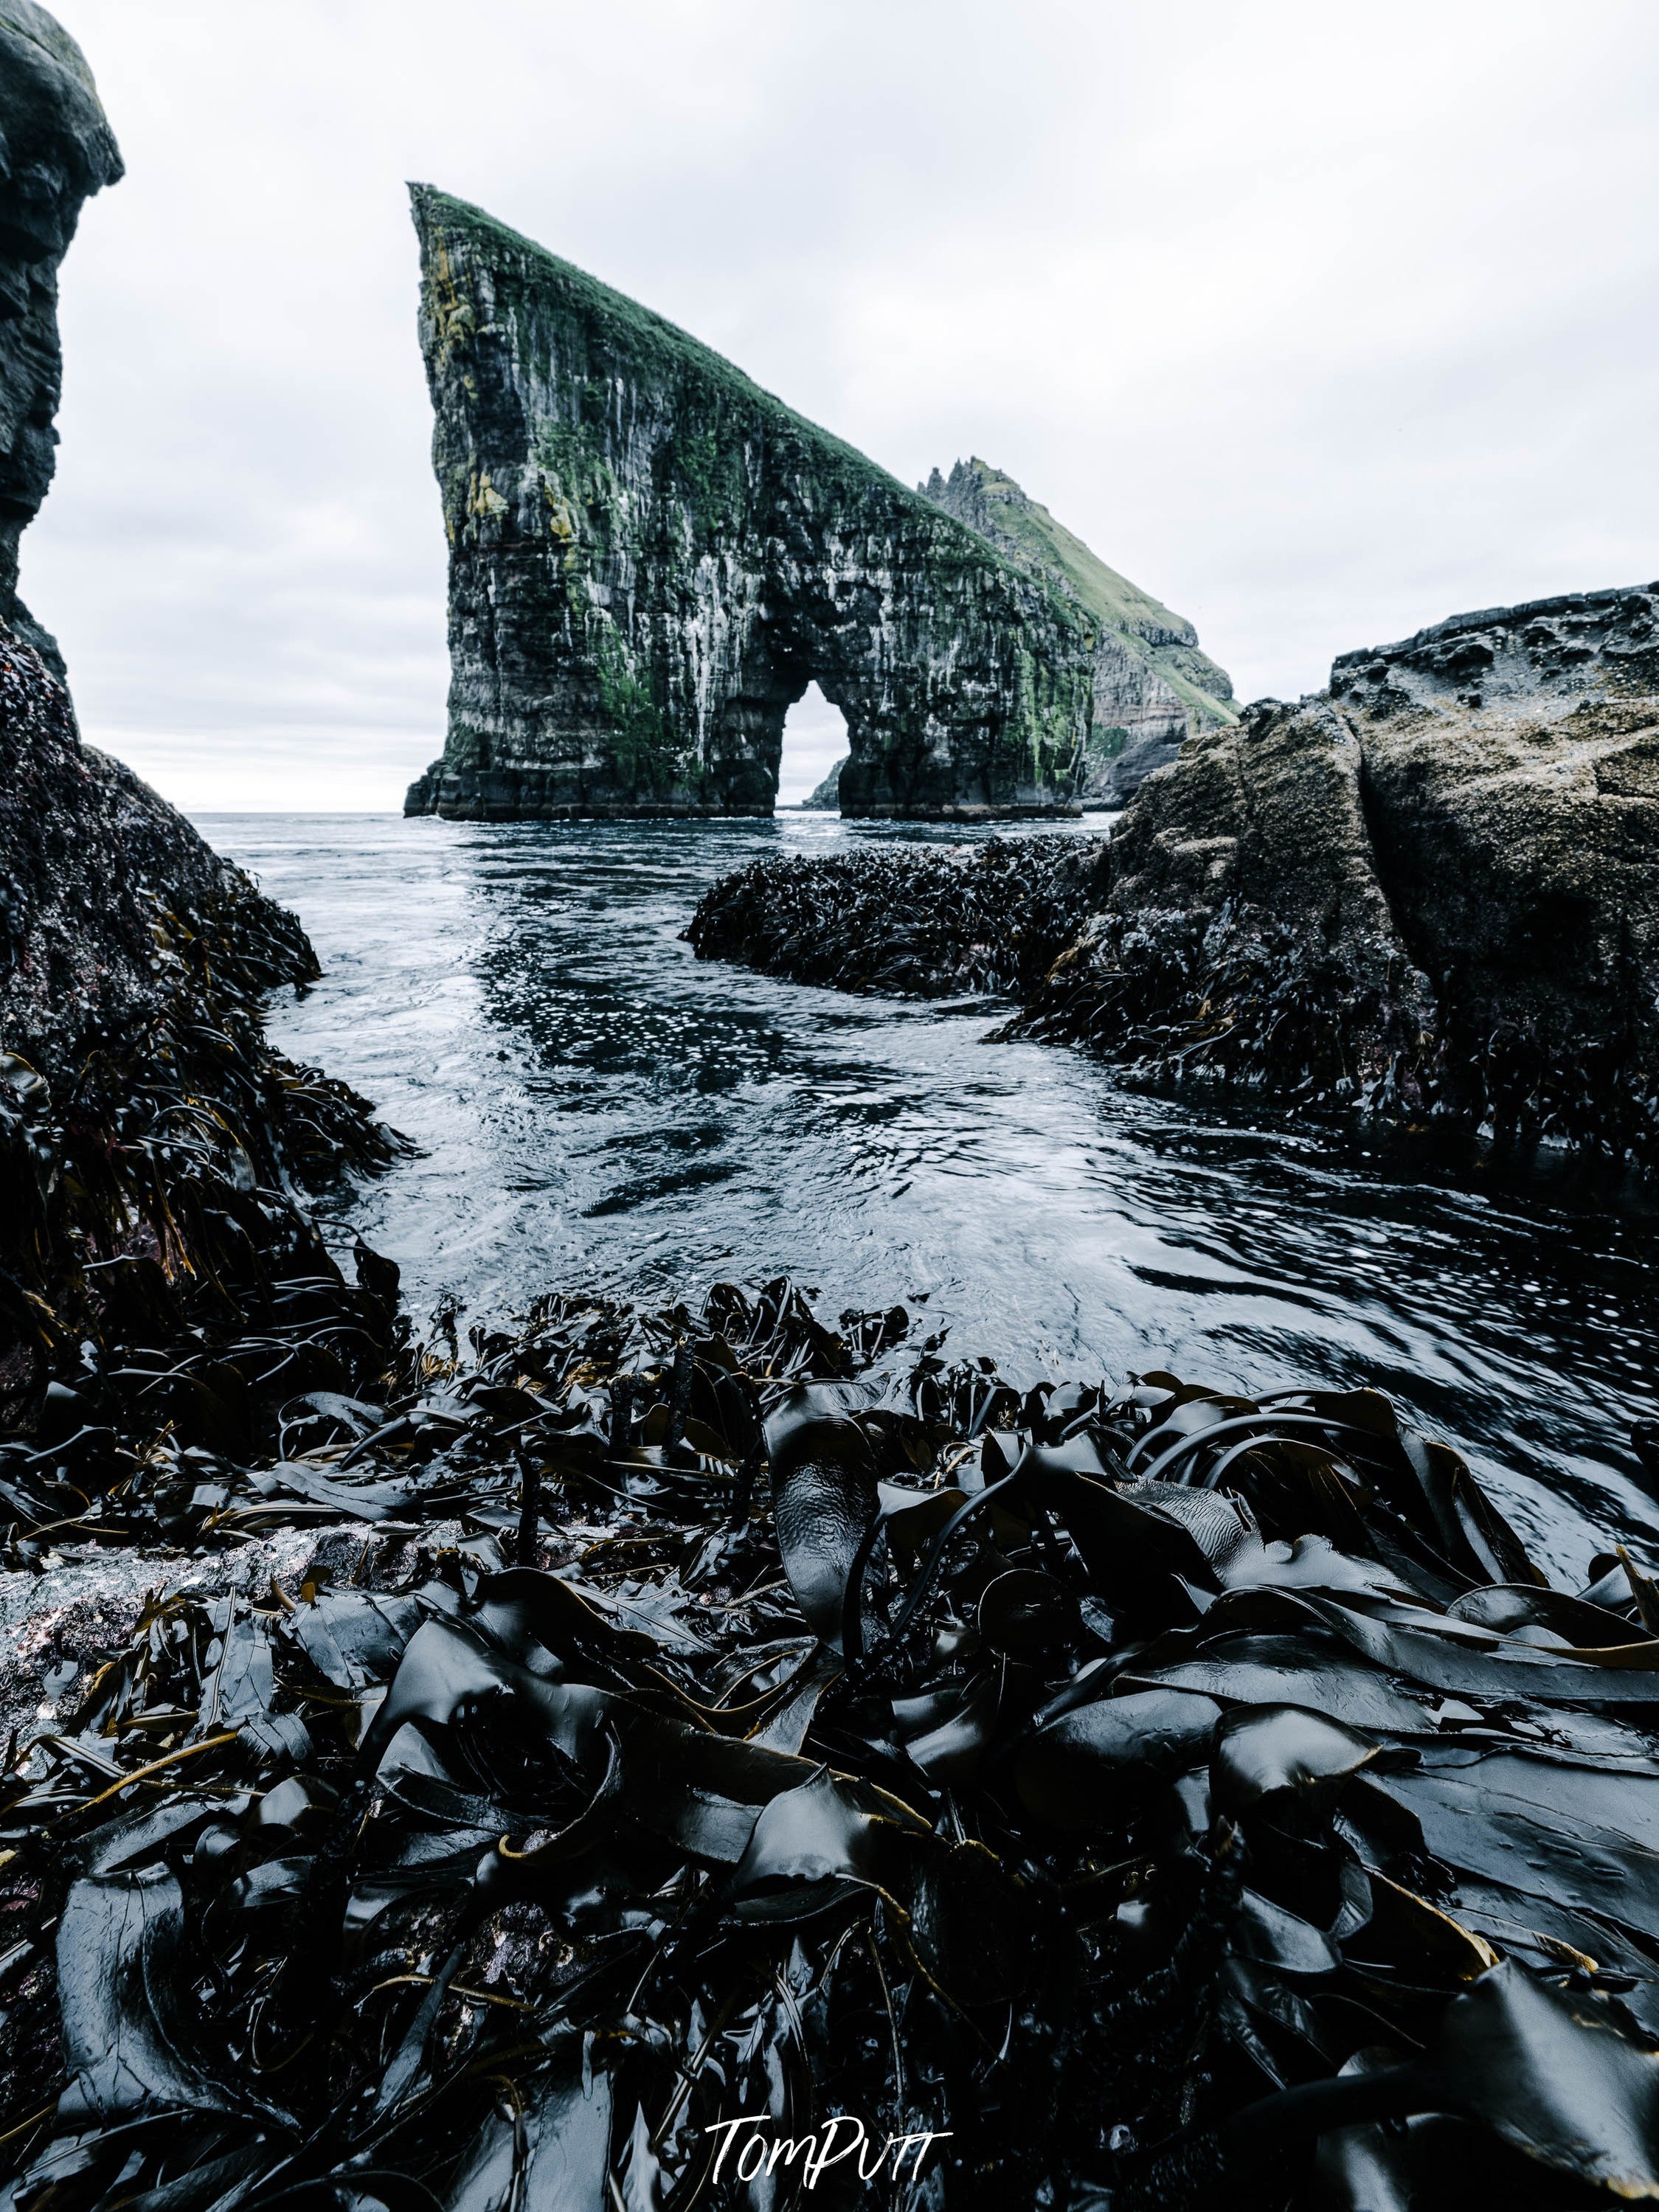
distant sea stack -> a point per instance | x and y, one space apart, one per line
651 558
1152 686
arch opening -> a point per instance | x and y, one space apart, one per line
814 743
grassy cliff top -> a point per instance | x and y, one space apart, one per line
1145 624
651 340
1112 598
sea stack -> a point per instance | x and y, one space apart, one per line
1153 687
651 558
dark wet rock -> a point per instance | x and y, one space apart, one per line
1433 890
930 923
1152 686
1429 893
651 558
159 1267
94 866
92 862
56 149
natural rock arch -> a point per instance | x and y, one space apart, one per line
651 558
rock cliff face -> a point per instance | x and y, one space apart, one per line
1433 890
93 864
650 559
1152 686
1430 893
99 881
56 149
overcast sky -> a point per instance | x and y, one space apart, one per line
1321 321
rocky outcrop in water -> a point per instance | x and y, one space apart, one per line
1152 686
651 558
1434 888
1431 892
934 924
56 149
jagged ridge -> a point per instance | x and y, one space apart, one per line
1152 686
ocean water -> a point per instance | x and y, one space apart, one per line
594 1107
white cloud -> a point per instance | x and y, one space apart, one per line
1321 323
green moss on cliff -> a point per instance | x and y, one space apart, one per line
1164 640
650 553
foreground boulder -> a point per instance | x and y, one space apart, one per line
1432 889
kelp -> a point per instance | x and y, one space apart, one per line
1236 1000
166 1286
924 923
722 1723
1226 999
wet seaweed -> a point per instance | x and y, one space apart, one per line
927 923
727 1723
166 1282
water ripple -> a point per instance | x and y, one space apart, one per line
595 1107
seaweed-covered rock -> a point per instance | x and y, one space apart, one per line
158 1267
94 866
931 924
56 149
1434 888
1431 890
651 558
1152 686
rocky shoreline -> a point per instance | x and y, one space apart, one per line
1429 894
474 1774
927 923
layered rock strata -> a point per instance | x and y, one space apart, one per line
651 558
1152 686
1430 892
56 149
